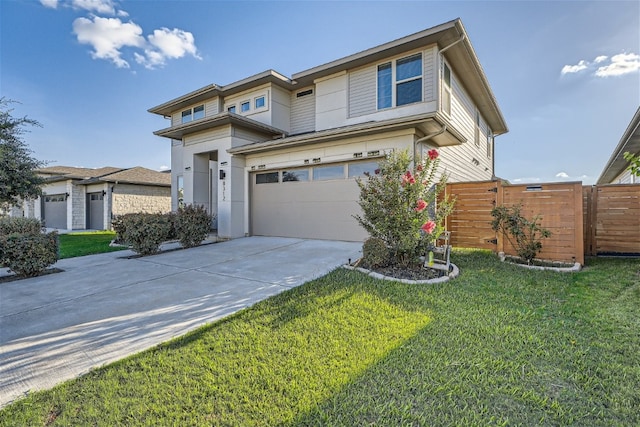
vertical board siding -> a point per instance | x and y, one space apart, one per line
303 112
362 91
615 219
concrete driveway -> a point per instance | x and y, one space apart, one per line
105 307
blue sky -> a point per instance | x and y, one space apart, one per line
566 74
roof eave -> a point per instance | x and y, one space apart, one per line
630 142
226 118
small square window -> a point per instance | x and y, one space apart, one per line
324 173
260 102
357 169
186 116
231 109
295 175
198 112
245 106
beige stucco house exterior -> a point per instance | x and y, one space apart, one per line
278 156
82 198
616 170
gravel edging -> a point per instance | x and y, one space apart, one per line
575 268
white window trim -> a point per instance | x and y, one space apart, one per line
192 113
446 88
228 107
245 102
394 82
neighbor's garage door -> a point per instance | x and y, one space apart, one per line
314 203
55 211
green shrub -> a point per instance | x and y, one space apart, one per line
524 235
28 255
20 225
144 232
192 225
402 204
375 253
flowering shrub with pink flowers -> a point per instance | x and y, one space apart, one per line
401 204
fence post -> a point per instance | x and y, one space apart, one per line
579 219
594 220
499 202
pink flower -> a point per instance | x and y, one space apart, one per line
428 227
433 154
407 178
419 168
421 205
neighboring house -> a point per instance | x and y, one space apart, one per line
80 198
278 156
615 171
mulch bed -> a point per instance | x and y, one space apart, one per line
14 277
411 272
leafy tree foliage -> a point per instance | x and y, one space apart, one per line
18 178
634 162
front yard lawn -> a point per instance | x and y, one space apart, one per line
499 345
86 243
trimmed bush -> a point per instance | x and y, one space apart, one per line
20 225
192 225
144 232
28 255
375 253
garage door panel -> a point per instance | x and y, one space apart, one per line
315 209
55 211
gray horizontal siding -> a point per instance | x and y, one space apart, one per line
362 91
303 112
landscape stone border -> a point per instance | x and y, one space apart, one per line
455 272
575 268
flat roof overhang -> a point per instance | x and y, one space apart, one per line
426 124
222 119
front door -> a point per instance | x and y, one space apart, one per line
95 203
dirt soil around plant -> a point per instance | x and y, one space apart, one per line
411 272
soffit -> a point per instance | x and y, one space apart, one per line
630 142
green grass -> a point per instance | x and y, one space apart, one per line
499 345
86 243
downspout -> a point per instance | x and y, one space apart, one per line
426 138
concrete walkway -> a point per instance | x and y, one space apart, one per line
105 307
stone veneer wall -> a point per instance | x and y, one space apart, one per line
140 198
78 212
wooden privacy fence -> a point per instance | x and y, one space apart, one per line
559 206
612 219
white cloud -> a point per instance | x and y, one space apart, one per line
571 69
526 180
52 4
623 63
164 168
107 36
562 175
98 6
164 44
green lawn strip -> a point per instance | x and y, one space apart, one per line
500 345
86 243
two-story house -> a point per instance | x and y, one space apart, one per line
278 156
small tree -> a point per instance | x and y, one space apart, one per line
401 205
18 177
524 235
634 162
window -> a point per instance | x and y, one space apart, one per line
198 112
259 102
96 196
400 82
193 114
324 173
446 89
295 175
477 132
231 109
362 168
267 178
245 106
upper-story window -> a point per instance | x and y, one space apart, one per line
194 113
245 106
231 109
400 82
259 102
446 88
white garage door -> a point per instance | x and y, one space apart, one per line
315 202
55 211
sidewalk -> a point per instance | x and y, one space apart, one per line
105 307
